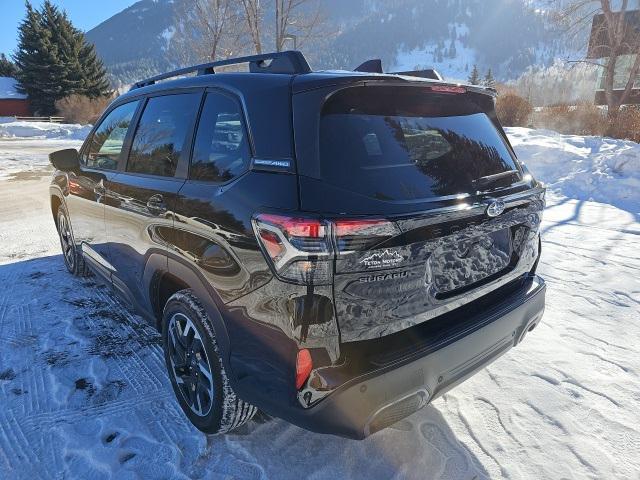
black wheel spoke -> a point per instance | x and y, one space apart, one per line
205 372
203 400
197 347
178 350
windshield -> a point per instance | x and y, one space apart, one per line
396 143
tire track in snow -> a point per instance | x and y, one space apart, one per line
493 420
457 466
481 446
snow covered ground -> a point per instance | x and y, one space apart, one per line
84 393
26 145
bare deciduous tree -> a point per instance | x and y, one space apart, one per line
210 29
615 36
293 20
253 17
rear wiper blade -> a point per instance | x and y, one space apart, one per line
482 183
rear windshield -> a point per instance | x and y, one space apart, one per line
406 143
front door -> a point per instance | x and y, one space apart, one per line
99 158
140 216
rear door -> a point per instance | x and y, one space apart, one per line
139 218
408 175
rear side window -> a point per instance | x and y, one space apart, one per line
108 139
161 134
221 150
407 143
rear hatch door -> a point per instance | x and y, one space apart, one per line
431 209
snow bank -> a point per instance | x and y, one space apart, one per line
605 170
63 131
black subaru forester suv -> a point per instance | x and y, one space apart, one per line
334 248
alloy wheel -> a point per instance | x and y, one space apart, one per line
190 365
66 241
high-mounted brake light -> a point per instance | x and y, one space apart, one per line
447 89
304 365
302 250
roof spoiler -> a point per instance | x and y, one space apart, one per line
371 66
431 73
375 66
290 62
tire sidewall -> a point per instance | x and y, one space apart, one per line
210 423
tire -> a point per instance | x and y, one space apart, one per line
73 259
195 368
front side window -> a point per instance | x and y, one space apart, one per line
161 134
221 150
107 140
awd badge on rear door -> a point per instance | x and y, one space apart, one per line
495 208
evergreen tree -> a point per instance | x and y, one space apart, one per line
474 78
7 67
55 61
36 62
489 81
451 53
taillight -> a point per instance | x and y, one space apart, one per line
352 235
304 365
301 250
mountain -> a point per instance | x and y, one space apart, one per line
507 36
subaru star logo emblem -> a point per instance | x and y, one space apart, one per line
495 208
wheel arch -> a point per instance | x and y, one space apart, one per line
172 275
55 201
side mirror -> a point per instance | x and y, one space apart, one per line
65 160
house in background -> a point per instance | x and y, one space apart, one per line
599 51
12 103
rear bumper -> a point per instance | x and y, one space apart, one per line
370 402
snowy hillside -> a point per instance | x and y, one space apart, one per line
507 36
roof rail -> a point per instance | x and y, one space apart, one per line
289 62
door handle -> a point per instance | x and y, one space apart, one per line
156 204
99 188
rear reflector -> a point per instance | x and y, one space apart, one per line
304 364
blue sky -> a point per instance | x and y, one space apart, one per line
85 14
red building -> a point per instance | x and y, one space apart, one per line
12 103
